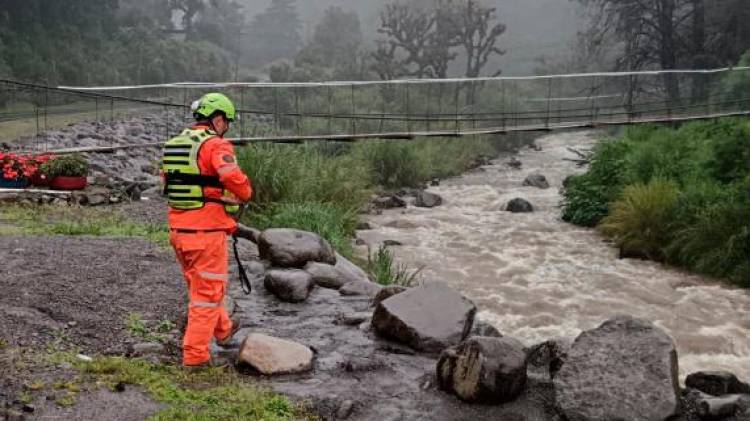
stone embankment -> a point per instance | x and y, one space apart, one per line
393 353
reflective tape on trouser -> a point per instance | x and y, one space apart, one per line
214 276
204 304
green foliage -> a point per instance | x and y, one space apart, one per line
275 33
334 223
736 85
586 197
212 394
681 195
639 220
385 271
393 163
66 165
139 328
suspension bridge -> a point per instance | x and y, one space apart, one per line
397 109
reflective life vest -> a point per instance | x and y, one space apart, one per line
184 182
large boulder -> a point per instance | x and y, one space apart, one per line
325 275
428 318
427 200
290 285
519 205
366 288
716 383
288 248
273 356
349 271
484 369
386 293
536 180
626 370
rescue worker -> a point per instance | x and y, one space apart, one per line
204 187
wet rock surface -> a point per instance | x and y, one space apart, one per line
360 374
325 275
273 356
288 248
363 288
519 205
484 370
626 369
290 285
536 180
428 318
427 200
716 383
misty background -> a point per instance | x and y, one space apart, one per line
107 42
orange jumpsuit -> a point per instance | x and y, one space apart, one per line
199 238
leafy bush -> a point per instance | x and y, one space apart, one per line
639 220
393 163
586 197
66 166
680 195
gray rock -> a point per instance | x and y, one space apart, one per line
392 243
626 369
274 356
229 305
428 318
484 370
247 233
389 202
386 293
349 271
367 288
536 180
546 359
485 329
428 200
716 408
325 275
364 226
288 248
519 205
96 199
716 383
290 285
353 319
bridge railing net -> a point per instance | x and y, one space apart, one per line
392 109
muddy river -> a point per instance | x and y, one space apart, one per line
536 277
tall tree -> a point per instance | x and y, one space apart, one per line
335 44
274 33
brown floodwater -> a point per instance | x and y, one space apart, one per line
535 277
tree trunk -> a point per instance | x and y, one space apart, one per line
700 58
667 50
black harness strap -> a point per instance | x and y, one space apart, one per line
181 179
244 280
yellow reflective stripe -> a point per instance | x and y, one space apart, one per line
204 304
214 276
226 169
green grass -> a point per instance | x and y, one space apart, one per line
209 394
679 195
385 271
77 221
139 328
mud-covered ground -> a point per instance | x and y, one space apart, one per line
74 294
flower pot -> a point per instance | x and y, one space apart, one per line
16 183
40 180
68 183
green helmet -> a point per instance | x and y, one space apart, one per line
213 103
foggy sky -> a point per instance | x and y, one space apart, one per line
535 27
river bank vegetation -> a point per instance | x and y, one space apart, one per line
677 195
322 188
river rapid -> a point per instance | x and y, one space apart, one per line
535 277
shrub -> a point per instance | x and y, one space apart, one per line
66 165
731 158
639 220
393 163
586 197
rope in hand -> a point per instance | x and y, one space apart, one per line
244 279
